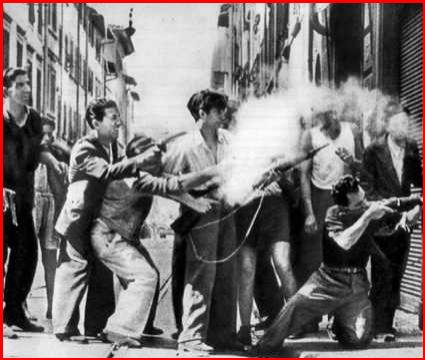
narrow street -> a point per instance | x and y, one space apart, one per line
408 345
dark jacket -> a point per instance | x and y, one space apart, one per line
379 177
89 174
125 208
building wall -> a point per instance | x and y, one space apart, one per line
63 47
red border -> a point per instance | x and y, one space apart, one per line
250 1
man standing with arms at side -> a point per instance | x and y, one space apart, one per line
94 163
22 152
391 166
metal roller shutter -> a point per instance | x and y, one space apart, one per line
411 96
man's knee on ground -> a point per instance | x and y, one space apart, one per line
350 339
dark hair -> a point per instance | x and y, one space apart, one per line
345 185
212 99
138 145
46 121
10 75
96 109
393 108
194 104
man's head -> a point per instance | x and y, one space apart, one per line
397 121
16 86
330 123
103 116
48 129
348 192
212 108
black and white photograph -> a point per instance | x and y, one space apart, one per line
212 180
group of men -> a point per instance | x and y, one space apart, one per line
296 274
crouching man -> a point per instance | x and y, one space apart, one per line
340 286
115 242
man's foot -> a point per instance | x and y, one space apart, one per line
297 335
386 335
121 340
23 323
153 331
244 335
72 336
194 348
231 345
8 333
262 351
175 335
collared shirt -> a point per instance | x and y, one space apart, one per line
397 155
191 153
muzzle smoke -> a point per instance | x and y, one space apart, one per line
271 127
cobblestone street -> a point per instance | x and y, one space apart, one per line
44 345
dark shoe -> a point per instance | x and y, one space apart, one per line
297 335
23 323
175 335
8 333
121 340
74 337
194 348
260 351
153 331
244 335
230 346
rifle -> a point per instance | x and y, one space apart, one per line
276 170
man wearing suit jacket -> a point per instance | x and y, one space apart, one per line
391 166
93 165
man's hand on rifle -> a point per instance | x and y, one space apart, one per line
149 160
409 219
377 210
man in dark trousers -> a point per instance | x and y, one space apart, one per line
340 285
22 152
391 166
94 163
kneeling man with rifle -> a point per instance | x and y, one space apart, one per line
340 286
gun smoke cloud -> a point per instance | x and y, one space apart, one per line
271 127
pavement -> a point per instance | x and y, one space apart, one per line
319 345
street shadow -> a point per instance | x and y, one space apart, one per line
321 346
159 342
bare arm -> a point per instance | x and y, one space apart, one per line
348 237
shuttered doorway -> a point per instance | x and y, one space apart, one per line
411 96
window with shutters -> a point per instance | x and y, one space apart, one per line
52 88
38 87
31 13
29 72
19 52
90 82
6 46
40 19
60 45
